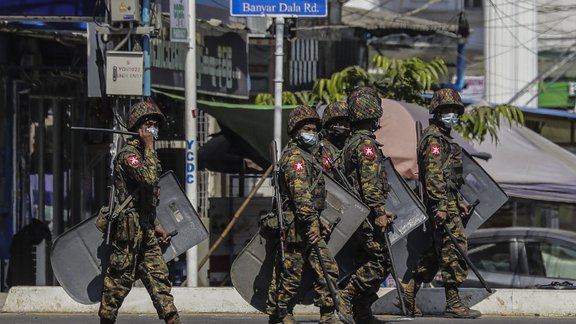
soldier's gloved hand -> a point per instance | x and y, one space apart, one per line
325 231
161 234
441 217
464 210
391 217
146 137
313 234
382 221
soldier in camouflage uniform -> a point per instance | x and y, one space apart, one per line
440 165
335 131
365 171
303 196
136 253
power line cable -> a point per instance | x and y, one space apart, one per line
422 8
530 40
567 57
496 11
546 85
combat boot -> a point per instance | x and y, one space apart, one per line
410 291
278 316
107 321
327 316
173 319
289 319
363 314
454 306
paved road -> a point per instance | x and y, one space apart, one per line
253 319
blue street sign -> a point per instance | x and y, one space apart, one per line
282 8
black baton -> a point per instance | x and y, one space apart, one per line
465 256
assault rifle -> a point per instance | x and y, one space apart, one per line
278 198
114 147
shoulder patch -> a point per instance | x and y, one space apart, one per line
435 149
327 162
133 160
369 152
299 166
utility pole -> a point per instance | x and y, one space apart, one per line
191 136
278 81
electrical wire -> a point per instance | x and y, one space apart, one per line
496 11
220 5
123 41
546 85
421 8
530 40
366 12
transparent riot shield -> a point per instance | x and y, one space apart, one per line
80 256
479 189
251 271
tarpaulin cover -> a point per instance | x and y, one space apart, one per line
527 165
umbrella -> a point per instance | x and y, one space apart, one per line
398 135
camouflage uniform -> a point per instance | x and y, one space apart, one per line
303 196
364 169
440 168
329 151
136 253
441 174
329 155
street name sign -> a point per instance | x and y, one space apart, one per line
282 8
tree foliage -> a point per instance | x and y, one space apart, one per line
406 80
402 80
480 121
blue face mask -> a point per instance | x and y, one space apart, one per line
154 132
309 139
450 119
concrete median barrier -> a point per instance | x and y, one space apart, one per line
517 302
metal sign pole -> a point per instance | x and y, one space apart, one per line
278 80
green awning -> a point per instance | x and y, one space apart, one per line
252 123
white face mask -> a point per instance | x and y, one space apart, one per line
309 139
154 132
450 119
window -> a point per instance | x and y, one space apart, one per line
551 260
470 4
492 257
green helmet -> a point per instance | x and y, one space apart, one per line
302 115
446 98
140 112
364 103
334 110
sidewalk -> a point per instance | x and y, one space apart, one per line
507 302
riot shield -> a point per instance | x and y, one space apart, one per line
403 202
80 256
478 187
251 272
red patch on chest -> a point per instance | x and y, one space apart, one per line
299 166
327 162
